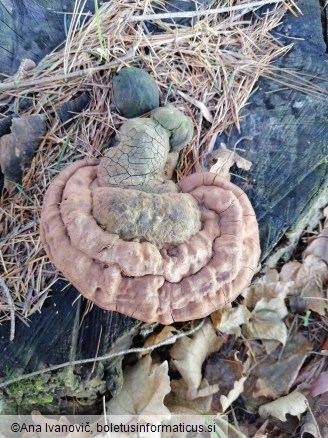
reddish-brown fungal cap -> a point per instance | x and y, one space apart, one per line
183 282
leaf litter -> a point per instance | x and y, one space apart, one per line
257 358
226 369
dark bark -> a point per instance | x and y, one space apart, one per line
61 333
288 181
32 28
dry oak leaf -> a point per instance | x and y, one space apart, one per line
225 160
270 345
167 332
237 389
177 401
309 428
311 279
229 320
274 376
320 385
294 403
230 374
261 432
188 355
319 406
280 370
266 320
144 387
269 286
318 245
252 430
288 273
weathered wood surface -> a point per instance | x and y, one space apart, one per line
61 333
288 181
288 177
32 29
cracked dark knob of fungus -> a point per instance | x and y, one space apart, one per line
132 241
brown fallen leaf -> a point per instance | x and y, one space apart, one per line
318 245
320 385
270 345
313 276
312 268
188 355
309 427
279 377
289 271
225 160
269 286
324 346
294 403
252 430
261 432
229 320
237 389
319 407
177 401
167 332
18 148
144 387
266 320
275 374
229 373
310 282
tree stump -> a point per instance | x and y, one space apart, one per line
286 184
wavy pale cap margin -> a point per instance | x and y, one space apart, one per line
182 283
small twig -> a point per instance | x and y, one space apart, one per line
7 295
167 341
75 74
190 14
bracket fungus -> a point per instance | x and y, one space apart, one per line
134 242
